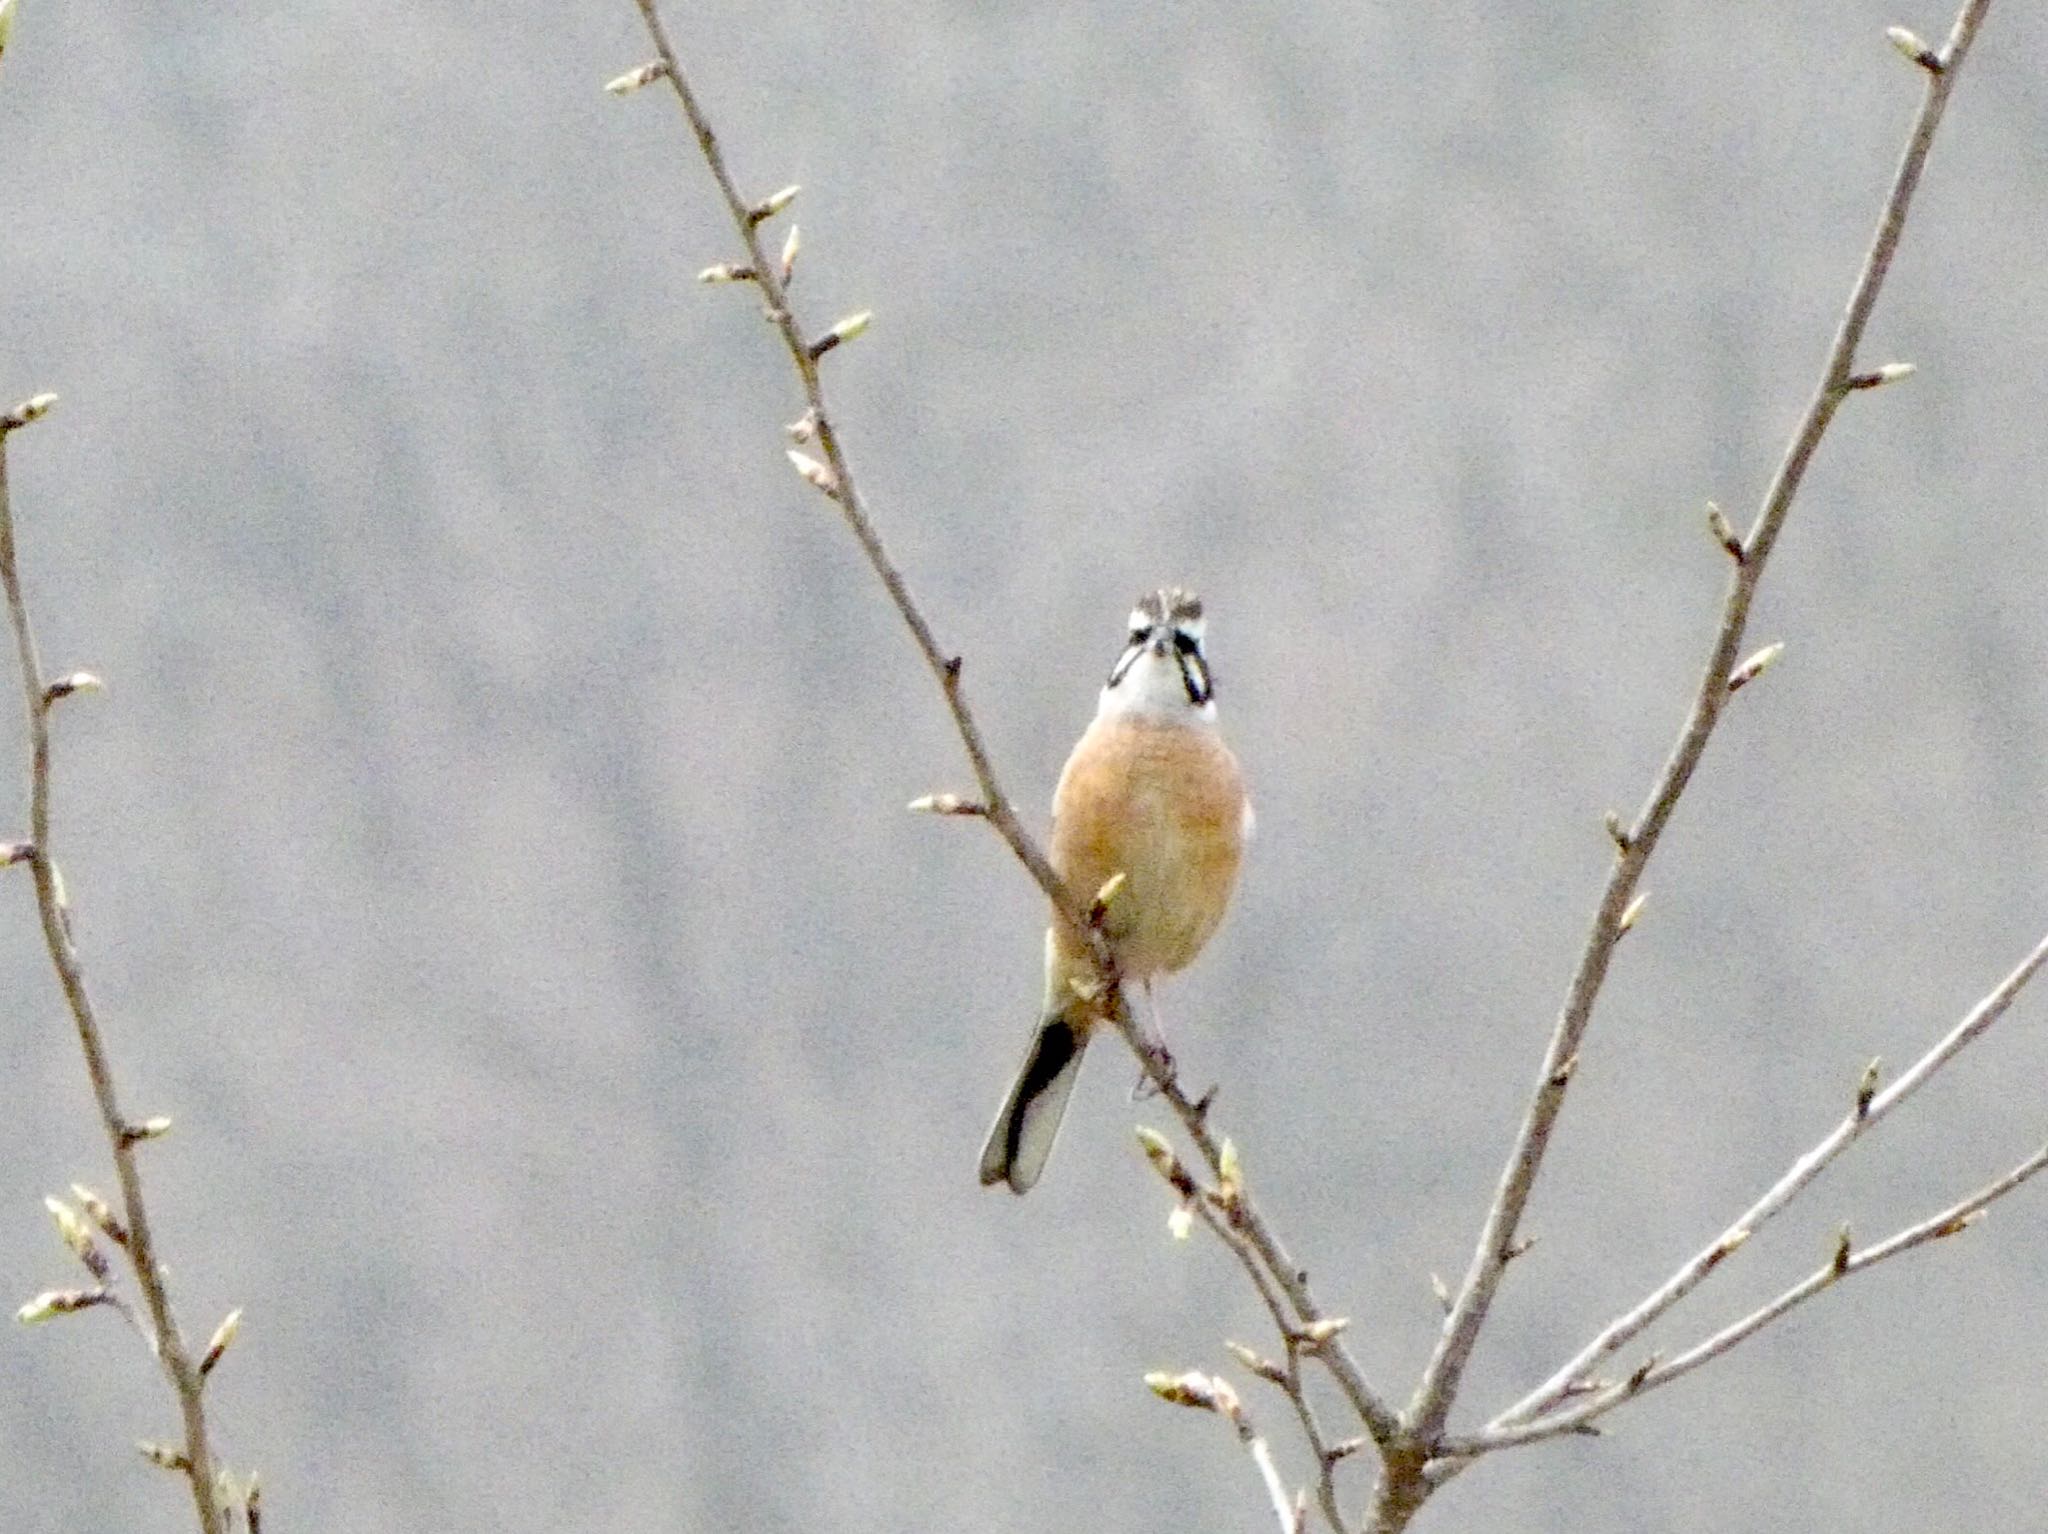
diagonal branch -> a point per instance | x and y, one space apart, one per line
183 1372
1507 1430
837 482
1635 842
1868 1111
804 355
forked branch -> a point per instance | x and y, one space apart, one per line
1636 840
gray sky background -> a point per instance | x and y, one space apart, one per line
490 846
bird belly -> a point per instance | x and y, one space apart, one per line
1163 806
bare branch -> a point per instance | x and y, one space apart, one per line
1431 1404
1845 1262
1206 1392
994 805
1864 1114
122 1135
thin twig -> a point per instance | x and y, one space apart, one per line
945 668
122 1135
1432 1401
1506 1431
1863 1115
1213 1393
994 806
1288 1379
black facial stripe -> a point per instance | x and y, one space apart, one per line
1123 661
1194 675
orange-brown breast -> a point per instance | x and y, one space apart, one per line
1162 804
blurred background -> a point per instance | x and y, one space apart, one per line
490 847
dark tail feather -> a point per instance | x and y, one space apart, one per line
1024 1131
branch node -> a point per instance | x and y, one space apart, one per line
1958 1225
1840 1263
17 852
1562 1076
1344 1450
1642 1373
724 272
953 664
1517 1248
803 428
1441 1290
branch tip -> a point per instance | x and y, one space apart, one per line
1617 832
223 1338
59 1302
1631 911
1635 1380
1866 1088
818 476
844 331
65 686
16 852
1318 1333
771 205
1877 378
725 272
164 1456
1840 1262
1194 1389
634 79
1098 908
1755 666
149 1129
1910 45
1257 1363
30 410
97 1211
790 247
1725 534
77 1236
1441 1290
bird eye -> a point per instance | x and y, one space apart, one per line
1137 636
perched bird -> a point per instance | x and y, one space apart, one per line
1152 793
